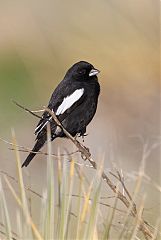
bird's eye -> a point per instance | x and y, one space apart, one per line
83 71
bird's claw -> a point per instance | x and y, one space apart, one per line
80 135
76 136
84 135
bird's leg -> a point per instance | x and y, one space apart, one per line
80 135
84 135
76 136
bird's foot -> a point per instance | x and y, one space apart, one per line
76 136
83 135
80 135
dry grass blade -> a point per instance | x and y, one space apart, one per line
138 219
128 202
156 232
22 202
5 213
13 233
25 149
119 178
16 181
85 152
28 218
110 219
4 234
49 203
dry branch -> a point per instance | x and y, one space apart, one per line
143 226
85 152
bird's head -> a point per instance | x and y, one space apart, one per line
82 71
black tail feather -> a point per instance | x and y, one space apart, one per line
36 148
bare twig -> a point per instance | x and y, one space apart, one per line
16 181
101 203
25 149
87 155
119 178
45 153
13 233
85 152
26 109
3 233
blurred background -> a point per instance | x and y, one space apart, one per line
40 40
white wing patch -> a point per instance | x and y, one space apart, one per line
69 101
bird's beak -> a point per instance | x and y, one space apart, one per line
94 72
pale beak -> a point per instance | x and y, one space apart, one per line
94 72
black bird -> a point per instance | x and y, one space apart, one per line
74 102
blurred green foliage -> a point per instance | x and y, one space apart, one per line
15 78
16 83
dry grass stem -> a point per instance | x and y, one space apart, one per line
85 152
124 196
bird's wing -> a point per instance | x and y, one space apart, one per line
43 122
63 101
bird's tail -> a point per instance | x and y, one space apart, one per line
36 148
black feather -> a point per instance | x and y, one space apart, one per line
76 117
